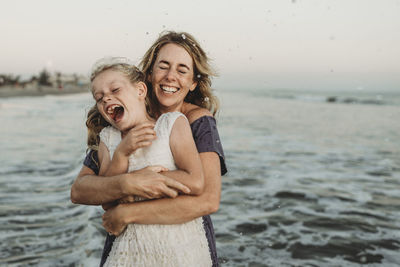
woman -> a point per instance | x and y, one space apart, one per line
178 76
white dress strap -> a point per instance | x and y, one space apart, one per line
166 121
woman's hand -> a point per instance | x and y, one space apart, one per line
127 199
113 220
140 136
150 183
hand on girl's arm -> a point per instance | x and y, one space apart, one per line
171 211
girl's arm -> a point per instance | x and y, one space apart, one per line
189 169
117 165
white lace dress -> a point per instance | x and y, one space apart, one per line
157 245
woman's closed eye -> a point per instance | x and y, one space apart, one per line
115 90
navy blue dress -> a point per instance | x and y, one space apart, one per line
206 137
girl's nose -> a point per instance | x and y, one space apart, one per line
106 97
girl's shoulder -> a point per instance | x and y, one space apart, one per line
167 120
110 135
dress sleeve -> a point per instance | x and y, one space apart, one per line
92 161
206 137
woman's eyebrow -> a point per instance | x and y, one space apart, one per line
184 65
180 65
164 62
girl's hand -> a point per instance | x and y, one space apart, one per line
113 221
140 136
149 183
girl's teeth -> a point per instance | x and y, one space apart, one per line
110 110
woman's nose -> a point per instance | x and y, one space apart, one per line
171 75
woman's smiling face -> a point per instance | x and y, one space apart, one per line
172 77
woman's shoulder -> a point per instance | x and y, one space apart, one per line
194 112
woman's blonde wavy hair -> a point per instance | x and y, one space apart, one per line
95 122
202 95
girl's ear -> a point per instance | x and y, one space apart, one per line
142 89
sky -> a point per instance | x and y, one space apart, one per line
306 44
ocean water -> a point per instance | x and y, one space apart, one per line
310 183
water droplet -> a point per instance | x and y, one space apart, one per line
240 233
217 141
198 76
183 36
363 259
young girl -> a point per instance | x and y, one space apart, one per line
120 94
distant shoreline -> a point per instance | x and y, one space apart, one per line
8 91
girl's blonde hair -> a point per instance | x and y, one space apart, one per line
202 95
95 122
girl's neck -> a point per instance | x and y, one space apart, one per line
145 119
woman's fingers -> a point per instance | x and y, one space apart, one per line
170 192
127 199
171 183
157 168
107 206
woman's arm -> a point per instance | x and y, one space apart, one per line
171 211
90 189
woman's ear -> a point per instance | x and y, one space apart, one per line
142 89
193 86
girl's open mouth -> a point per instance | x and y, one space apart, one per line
116 112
